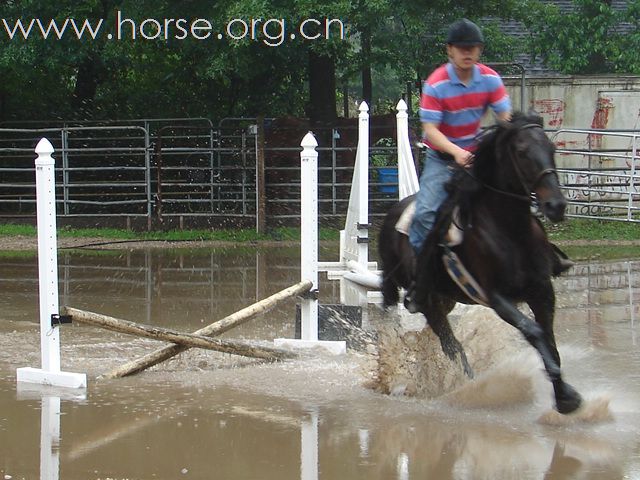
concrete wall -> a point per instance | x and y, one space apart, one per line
601 174
610 102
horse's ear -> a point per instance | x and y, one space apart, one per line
535 117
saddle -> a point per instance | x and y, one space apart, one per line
454 235
452 263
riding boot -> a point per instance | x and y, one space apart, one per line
560 261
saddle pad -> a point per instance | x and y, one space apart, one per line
463 278
454 235
404 222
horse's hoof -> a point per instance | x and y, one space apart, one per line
468 371
411 305
569 401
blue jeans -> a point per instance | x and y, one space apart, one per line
435 174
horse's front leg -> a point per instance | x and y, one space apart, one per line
436 310
567 398
542 301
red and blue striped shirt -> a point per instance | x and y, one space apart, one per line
458 108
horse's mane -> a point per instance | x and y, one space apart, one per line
465 184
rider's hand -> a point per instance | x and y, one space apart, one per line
463 158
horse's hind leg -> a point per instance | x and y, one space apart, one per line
436 311
567 398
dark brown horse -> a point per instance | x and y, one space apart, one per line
505 249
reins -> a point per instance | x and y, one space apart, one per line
523 182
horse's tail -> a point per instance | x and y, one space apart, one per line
389 287
390 293
392 246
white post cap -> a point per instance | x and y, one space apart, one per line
309 141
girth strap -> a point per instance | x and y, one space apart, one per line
463 278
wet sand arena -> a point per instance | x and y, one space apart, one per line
205 415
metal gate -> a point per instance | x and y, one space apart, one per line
599 173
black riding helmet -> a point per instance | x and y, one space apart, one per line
464 33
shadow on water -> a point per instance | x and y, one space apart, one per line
206 415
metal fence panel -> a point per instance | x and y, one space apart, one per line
190 168
599 174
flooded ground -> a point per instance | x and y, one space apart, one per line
205 415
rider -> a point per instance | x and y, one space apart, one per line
454 99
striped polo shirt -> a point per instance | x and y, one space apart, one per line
458 108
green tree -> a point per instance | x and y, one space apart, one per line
593 38
407 39
394 41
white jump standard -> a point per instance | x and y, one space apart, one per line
49 373
309 253
354 264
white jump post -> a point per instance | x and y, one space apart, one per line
49 373
309 253
309 235
408 183
354 264
356 232
354 239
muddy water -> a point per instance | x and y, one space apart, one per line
210 416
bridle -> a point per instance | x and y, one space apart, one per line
540 176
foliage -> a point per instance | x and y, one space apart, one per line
594 38
392 43
383 153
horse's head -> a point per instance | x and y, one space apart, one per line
524 158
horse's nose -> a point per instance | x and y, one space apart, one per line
554 209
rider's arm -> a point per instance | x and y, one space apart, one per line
441 143
504 116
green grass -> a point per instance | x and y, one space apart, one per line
11 229
583 229
572 229
590 252
240 235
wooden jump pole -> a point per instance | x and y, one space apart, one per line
211 330
189 340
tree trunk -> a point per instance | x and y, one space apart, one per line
367 84
322 88
89 76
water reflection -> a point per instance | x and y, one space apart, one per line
300 420
309 447
50 398
162 288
